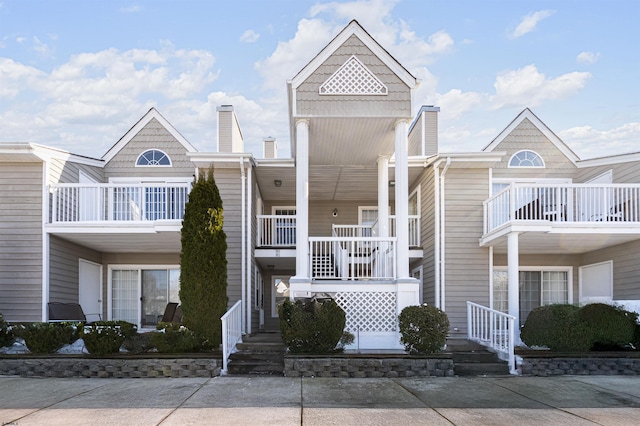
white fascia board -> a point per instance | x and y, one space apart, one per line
354 28
606 161
546 131
46 153
151 114
275 162
204 159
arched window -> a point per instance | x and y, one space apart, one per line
526 159
153 157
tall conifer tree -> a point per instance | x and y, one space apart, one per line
203 261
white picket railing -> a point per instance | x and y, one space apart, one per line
352 258
78 202
493 329
231 333
563 203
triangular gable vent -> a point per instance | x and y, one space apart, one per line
353 78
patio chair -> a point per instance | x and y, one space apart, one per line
67 312
170 313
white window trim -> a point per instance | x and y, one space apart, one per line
131 267
361 208
420 272
568 269
141 179
509 166
153 165
274 208
417 192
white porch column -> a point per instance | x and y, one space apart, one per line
300 283
513 284
383 196
402 199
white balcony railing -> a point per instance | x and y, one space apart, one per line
414 229
563 203
493 329
117 202
352 258
276 231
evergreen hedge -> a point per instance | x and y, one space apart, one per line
423 329
203 262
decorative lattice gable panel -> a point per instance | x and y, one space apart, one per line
353 78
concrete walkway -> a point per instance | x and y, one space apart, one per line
515 401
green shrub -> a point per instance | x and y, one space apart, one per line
138 343
203 262
106 337
609 325
6 333
46 338
423 329
314 326
174 338
558 327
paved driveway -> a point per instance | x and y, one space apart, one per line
515 401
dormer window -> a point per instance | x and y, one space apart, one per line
153 157
526 159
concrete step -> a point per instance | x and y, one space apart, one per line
261 347
255 367
475 356
481 368
257 356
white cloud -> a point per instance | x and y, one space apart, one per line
455 102
133 8
249 36
589 141
528 87
529 22
41 47
588 57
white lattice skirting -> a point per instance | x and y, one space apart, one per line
373 312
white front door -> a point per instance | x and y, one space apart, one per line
90 289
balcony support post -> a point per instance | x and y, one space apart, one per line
300 283
513 285
402 198
383 196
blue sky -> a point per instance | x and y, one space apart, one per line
77 75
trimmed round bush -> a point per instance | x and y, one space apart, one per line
609 325
423 329
558 327
138 343
315 326
6 333
106 337
46 338
174 338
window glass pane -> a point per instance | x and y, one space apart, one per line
529 293
124 294
500 291
174 285
413 204
155 289
554 287
280 292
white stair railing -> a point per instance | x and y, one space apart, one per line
493 329
231 333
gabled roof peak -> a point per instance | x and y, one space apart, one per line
153 113
544 129
354 28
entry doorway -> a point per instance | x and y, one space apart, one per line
90 289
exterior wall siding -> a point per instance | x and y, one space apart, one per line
466 263
626 268
622 172
63 268
61 171
21 241
427 235
152 136
397 103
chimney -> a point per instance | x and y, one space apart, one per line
430 129
270 147
229 134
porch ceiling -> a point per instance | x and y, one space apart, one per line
574 242
118 240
